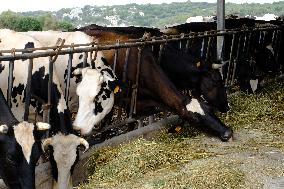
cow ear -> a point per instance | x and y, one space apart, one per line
3 129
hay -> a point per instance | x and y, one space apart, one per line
189 160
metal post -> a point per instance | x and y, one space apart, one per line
135 86
125 65
85 59
10 83
231 60
28 90
69 69
160 53
220 26
50 82
187 45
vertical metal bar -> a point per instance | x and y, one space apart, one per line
28 90
115 57
187 45
260 38
10 83
278 47
220 26
125 64
50 82
161 52
69 69
85 59
245 42
231 60
248 46
236 59
208 48
135 87
115 60
202 46
180 44
93 63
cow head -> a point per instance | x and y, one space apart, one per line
64 155
20 148
212 88
96 97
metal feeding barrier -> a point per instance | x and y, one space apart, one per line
239 41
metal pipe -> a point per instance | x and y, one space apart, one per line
85 59
125 64
115 60
236 59
187 45
220 26
28 90
160 53
208 48
105 47
69 69
10 83
231 60
50 83
135 86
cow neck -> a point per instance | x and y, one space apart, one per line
60 114
6 115
60 119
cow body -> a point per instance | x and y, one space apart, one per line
86 118
60 119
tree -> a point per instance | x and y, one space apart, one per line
65 26
28 24
9 19
48 22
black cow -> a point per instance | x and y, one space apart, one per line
186 73
20 148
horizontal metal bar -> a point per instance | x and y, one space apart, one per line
154 39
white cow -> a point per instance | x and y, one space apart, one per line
93 108
61 127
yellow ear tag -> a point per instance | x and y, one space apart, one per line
116 89
178 129
198 64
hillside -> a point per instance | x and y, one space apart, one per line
150 15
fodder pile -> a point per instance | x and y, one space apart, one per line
187 159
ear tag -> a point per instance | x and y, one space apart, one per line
198 64
116 89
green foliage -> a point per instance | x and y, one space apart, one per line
9 19
65 26
27 22
149 15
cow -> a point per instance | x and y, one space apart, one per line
175 63
65 148
87 117
203 78
20 148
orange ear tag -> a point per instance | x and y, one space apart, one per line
116 89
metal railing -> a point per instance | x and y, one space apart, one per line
241 40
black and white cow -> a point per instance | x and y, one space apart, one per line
65 148
20 148
101 94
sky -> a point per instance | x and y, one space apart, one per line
53 5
